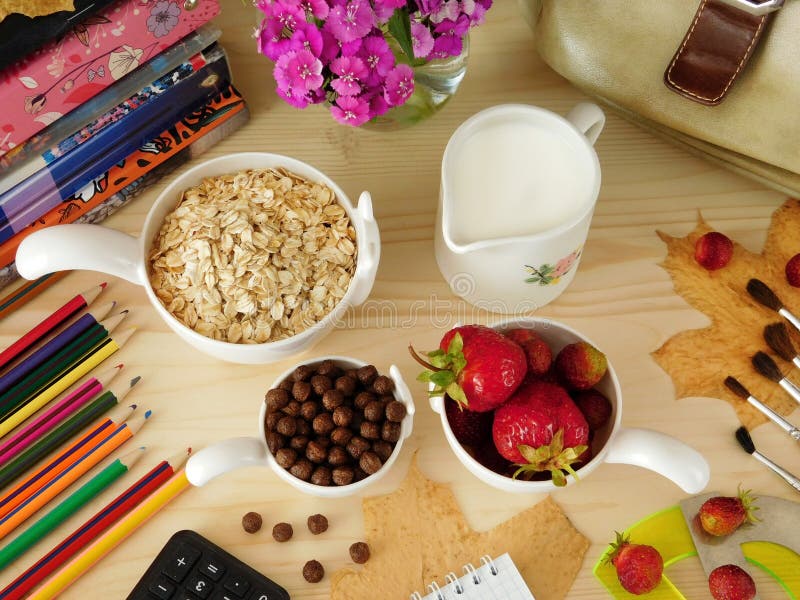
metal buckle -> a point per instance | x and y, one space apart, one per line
755 8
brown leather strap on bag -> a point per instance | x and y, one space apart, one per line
716 48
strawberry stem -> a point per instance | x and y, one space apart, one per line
420 360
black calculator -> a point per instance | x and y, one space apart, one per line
190 567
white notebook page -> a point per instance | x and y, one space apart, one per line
495 580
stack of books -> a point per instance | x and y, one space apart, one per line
98 103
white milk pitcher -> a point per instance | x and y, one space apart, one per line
519 185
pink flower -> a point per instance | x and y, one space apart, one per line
377 56
450 41
426 7
299 70
378 105
351 70
315 8
421 39
384 9
351 110
449 9
399 85
350 48
351 20
307 36
292 97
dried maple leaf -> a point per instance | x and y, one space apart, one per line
699 360
418 534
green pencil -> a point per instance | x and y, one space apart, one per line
45 374
82 496
62 433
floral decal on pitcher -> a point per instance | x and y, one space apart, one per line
548 274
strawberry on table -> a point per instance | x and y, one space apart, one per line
580 365
476 366
722 515
639 567
539 355
541 429
730 582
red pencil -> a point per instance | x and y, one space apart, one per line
56 319
92 528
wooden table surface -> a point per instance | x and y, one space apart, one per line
621 298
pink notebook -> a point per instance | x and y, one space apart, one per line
49 83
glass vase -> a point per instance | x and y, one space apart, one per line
435 83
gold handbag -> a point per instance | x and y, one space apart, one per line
732 99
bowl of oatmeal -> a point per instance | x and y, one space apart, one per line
250 257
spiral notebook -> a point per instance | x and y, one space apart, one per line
494 579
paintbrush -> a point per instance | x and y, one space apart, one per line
767 367
762 294
746 442
777 338
737 388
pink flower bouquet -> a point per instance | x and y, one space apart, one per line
357 55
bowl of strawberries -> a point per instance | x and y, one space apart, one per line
530 405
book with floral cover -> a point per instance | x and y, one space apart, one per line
49 83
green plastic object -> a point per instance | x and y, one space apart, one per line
668 533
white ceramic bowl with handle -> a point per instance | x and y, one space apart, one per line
613 443
227 455
102 249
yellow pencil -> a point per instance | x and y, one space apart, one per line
74 569
70 377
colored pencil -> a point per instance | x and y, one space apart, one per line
90 458
84 418
81 368
47 351
55 415
55 438
92 528
28 291
49 324
77 500
73 570
56 365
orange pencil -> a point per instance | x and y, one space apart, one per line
42 476
91 458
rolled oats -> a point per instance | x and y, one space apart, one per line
254 256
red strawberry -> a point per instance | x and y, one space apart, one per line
490 458
476 366
540 429
581 365
713 250
730 582
722 515
540 357
639 567
594 406
793 271
470 427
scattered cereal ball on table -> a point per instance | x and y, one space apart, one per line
359 552
282 532
313 571
317 524
251 522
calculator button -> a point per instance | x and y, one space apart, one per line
199 585
237 585
162 589
213 568
180 563
223 595
261 595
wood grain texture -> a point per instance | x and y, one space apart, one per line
621 298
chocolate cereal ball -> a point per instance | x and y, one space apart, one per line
292 409
251 522
383 449
302 373
286 426
362 399
370 463
286 384
309 410
323 424
357 446
341 435
316 452
276 399
367 374
383 385
390 432
302 469
395 411
271 420
299 443
275 441
317 524
370 431
332 398
301 390
359 552
328 368
321 476
302 427
342 416
343 475
374 411
337 456
346 385
286 457
282 532
321 384
313 571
